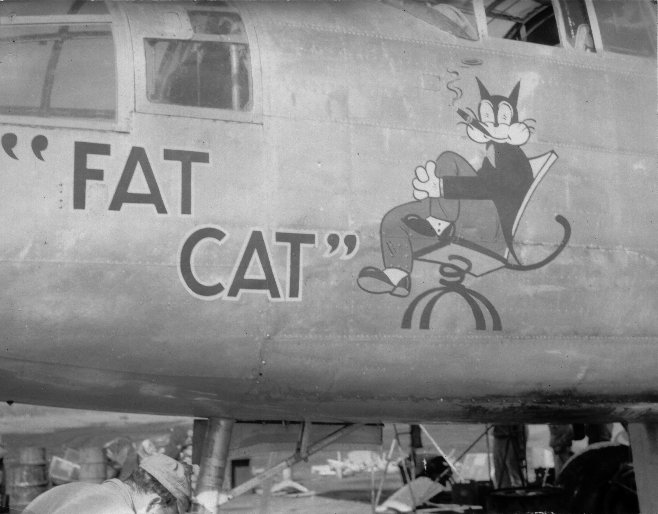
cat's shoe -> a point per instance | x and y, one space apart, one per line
375 281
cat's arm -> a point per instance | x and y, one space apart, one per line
427 184
452 176
466 188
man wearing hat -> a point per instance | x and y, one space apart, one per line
160 485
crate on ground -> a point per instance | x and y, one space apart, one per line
65 469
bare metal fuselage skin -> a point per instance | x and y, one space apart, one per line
348 98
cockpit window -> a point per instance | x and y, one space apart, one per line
627 27
576 25
58 70
453 16
522 20
212 69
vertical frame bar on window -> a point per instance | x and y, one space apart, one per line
249 18
561 25
235 77
594 25
480 18
125 70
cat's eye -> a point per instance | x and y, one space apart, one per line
486 112
504 113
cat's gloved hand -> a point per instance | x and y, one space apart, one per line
427 184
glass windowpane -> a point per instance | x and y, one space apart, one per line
522 20
84 75
198 73
627 27
58 70
576 25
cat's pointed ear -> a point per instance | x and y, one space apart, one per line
483 90
514 95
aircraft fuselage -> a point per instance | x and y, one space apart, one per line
204 260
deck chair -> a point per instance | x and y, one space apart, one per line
461 257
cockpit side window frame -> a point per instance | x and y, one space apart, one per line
144 105
446 17
122 71
481 19
483 26
591 22
559 19
597 52
605 50
124 67
594 25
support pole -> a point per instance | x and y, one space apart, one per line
408 469
389 458
489 467
644 446
445 457
213 466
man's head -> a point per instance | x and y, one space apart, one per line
163 483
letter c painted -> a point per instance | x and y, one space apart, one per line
187 274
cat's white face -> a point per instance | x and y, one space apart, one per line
497 120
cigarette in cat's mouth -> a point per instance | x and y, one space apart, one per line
473 122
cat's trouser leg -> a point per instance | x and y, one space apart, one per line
398 241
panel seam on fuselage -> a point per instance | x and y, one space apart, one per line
352 121
465 46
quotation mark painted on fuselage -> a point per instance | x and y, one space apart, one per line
10 140
349 240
